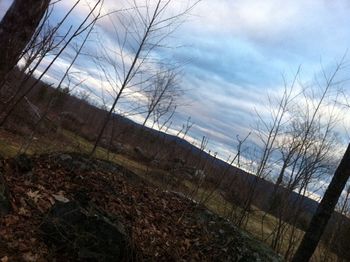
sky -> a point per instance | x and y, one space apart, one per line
235 54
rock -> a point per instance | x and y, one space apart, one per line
65 157
5 205
80 165
23 163
74 162
155 162
82 197
86 232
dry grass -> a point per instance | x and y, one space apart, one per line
67 141
217 204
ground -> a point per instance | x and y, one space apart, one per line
161 225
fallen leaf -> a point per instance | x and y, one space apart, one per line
30 257
22 211
34 195
60 198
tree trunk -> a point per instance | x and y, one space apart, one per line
16 30
324 210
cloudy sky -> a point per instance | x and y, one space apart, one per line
242 48
236 52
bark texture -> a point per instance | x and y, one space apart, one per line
16 30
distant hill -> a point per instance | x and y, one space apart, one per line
264 187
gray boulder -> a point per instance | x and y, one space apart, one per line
86 232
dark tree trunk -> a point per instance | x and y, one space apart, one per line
16 30
324 210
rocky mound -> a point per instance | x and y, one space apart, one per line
66 207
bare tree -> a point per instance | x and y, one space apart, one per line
185 128
53 99
268 132
44 42
144 30
162 96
